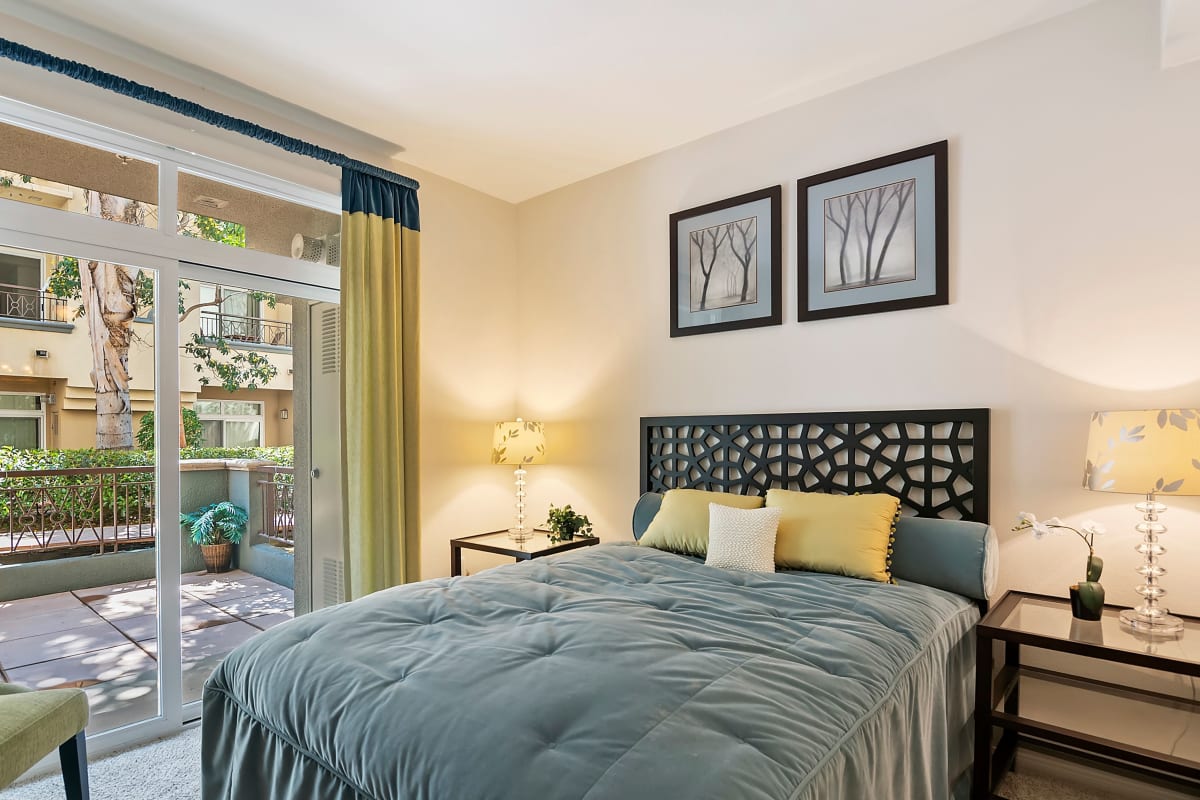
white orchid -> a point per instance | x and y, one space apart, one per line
1086 531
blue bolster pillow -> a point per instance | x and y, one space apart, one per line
955 555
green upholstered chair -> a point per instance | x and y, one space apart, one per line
33 724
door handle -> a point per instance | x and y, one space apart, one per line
315 473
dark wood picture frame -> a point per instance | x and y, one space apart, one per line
941 294
775 195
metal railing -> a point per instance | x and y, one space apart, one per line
235 328
96 507
30 303
278 505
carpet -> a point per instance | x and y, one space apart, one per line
169 769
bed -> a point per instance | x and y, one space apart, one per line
621 671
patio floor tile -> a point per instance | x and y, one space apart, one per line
100 592
218 587
267 621
17 609
132 697
83 670
36 624
58 644
255 605
193 617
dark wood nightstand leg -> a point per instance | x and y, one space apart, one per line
455 560
981 775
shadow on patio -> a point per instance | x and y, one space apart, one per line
104 640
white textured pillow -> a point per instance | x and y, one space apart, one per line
742 539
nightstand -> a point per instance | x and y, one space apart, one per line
1068 720
499 542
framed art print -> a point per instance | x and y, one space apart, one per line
873 236
726 264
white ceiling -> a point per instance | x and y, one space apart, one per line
520 97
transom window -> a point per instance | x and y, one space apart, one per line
230 423
22 421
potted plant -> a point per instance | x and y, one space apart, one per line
217 528
1087 596
565 523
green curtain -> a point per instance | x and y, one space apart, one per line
380 282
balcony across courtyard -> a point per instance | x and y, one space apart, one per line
104 639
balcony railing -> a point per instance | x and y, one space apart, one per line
278 505
96 507
29 303
255 330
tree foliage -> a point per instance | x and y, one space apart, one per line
215 361
193 431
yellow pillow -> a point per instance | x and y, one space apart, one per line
681 524
841 534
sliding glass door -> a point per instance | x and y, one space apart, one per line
136 385
79 511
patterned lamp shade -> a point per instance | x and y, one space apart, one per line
519 443
1139 452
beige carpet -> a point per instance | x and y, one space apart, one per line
169 769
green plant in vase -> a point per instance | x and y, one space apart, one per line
1087 596
216 529
564 523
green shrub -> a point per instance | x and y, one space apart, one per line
193 431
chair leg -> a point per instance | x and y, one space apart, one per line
73 756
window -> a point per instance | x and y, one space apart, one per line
22 421
230 423
20 284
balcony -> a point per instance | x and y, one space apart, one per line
29 307
239 330
78 598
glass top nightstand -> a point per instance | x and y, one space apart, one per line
500 542
1077 715
1047 622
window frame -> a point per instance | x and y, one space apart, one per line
223 418
39 415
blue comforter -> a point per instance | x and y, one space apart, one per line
608 672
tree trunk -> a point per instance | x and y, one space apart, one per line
107 291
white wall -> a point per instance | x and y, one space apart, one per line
1075 257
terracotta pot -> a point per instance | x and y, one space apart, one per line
217 557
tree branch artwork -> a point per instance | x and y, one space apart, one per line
865 224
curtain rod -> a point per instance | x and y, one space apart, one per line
147 94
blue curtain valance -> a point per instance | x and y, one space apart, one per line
114 83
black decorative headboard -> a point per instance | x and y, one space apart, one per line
935 461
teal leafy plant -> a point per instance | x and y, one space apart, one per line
564 523
217 523
1087 596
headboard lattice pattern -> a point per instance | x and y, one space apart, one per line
936 461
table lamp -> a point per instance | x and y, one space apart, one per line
519 443
1150 453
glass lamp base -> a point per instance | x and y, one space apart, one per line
1165 624
520 534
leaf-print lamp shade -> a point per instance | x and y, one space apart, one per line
1148 452
519 444
1144 452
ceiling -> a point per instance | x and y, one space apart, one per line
517 98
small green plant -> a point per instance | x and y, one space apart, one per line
217 523
565 523
193 431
